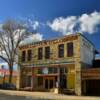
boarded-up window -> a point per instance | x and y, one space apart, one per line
40 53
23 56
70 49
29 57
61 50
47 52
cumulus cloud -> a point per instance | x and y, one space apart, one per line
88 23
37 37
33 24
72 24
29 22
64 25
33 38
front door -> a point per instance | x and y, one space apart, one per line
49 82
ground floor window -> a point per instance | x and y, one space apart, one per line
28 81
40 81
50 70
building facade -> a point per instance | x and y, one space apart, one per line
56 64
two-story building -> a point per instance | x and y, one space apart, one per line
56 64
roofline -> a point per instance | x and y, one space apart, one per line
76 34
86 38
96 51
48 40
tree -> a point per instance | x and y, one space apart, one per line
11 35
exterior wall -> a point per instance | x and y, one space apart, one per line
25 73
87 52
79 59
54 51
71 77
78 78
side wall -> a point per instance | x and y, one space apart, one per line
86 52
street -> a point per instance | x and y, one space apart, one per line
14 97
25 95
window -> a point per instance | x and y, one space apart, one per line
52 70
40 53
40 81
29 58
61 50
23 56
47 52
40 71
70 49
28 80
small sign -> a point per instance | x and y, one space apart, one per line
45 71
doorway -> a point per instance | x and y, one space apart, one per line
91 87
49 82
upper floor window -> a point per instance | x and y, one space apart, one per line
70 49
29 56
40 53
23 56
47 52
61 50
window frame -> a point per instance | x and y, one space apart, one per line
70 49
60 51
47 52
29 55
40 53
23 56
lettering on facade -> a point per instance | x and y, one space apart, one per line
65 39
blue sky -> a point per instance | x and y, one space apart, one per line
46 11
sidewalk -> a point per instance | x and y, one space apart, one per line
47 95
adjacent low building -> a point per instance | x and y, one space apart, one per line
4 76
55 65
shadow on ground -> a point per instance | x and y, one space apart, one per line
14 97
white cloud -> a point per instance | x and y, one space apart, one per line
72 24
30 22
37 37
64 25
89 22
36 24
33 24
33 38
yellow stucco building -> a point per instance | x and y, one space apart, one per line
55 65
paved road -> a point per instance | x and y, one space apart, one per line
14 97
23 95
